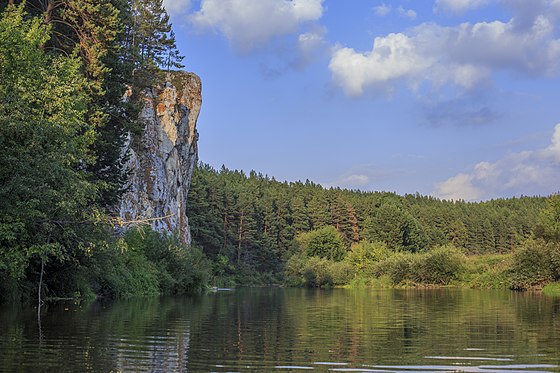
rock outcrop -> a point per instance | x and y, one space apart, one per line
162 159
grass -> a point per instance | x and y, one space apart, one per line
552 289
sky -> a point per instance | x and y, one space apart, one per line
458 99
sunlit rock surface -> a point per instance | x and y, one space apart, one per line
162 159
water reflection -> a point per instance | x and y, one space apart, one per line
291 330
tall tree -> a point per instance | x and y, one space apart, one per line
44 149
152 41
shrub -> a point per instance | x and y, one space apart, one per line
342 272
317 273
534 264
301 270
144 262
441 265
399 267
364 255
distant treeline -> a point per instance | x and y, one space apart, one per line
251 222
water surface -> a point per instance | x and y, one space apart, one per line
291 330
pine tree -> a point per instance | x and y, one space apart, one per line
152 41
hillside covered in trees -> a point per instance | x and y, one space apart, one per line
249 224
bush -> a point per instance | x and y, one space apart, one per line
342 272
364 255
117 272
488 271
317 273
313 271
399 267
441 265
535 264
144 262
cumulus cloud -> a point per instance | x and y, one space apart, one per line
393 57
463 55
527 172
177 7
249 24
459 6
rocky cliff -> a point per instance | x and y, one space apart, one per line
162 159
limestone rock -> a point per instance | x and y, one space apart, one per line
161 161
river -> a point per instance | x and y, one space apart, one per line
290 330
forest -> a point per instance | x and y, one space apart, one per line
256 229
65 66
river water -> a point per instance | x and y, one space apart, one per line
290 330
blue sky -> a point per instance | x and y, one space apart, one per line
452 98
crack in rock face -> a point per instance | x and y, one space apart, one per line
162 160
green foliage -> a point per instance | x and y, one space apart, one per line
489 271
441 265
151 40
549 220
273 214
552 289
46 209
364 255
535 264
392 224
302 270
400 267
145 262
324 243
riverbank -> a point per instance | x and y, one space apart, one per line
532 267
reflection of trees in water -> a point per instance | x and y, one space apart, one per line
124 335
367 326
260 327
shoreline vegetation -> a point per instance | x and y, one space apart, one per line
64 71
256 230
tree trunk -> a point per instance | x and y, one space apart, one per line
49 12
240 237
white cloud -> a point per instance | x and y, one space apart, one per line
393 57
382 10
463 55
553 150
459 187
408 13
177 7
352 181
527 172
249 24
459 6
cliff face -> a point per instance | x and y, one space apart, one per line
162 160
